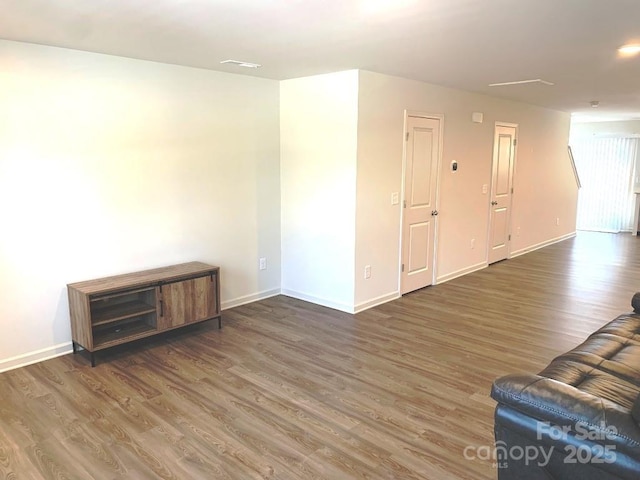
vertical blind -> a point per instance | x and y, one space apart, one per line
605 165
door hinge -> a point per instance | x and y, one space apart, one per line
515 142
509 237
404 204
406 137
402 269
511 189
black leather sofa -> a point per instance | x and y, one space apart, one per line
579 418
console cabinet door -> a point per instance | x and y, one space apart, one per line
188 301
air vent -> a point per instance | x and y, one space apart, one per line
241 64
521 82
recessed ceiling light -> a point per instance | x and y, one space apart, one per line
594 103
629 50
241 64
521 82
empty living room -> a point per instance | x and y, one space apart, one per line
320 240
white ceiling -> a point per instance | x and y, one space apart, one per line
465 44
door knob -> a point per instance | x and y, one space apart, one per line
434 213
494 203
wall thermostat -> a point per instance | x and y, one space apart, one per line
454 166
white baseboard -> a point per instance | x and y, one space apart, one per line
35 357
461 272
254 297
361 307
343 307
540 245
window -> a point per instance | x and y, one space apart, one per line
606 201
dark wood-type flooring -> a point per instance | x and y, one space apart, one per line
290 390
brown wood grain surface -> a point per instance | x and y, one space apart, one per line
291 390
188 301
142 278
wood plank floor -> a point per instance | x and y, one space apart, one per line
290 390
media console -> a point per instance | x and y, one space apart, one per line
110 311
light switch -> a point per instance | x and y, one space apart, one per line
485 188
395 198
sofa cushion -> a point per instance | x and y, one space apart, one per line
594 380
605 364
626 326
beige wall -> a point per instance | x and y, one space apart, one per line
109 165
318 135
545 188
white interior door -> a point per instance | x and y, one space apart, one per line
419 213
504 148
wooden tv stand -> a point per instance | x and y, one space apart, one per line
111 311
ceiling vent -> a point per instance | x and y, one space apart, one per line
241 64
521 82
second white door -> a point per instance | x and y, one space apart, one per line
504 147
419 213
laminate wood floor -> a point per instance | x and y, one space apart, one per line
290 390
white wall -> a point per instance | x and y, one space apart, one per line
109 165
544 184
318 141
631 127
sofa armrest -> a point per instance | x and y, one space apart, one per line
569 411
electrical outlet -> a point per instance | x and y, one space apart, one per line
473 243
263 263
367 272
517 231
557 221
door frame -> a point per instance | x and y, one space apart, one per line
440 118
491 185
